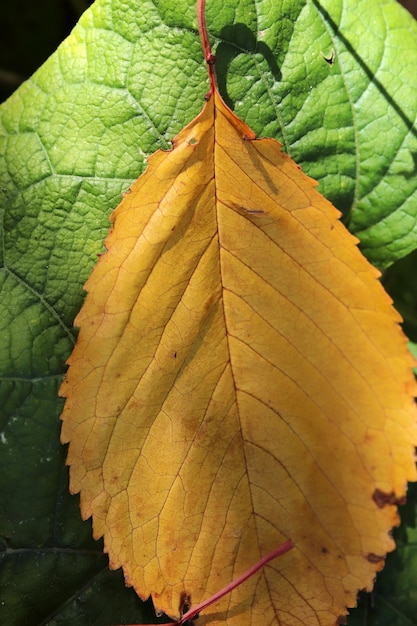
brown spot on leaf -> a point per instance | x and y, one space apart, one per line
381 499
375 558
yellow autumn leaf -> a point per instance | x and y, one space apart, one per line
239 379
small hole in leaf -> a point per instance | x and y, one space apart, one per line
192 141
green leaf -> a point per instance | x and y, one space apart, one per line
333 80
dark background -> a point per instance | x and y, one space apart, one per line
29 32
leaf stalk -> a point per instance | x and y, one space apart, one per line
205 43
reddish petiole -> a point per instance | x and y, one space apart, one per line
208 55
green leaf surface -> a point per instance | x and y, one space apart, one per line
334 80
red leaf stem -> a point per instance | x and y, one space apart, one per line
209 56
279 551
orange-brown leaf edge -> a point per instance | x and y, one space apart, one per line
239 379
